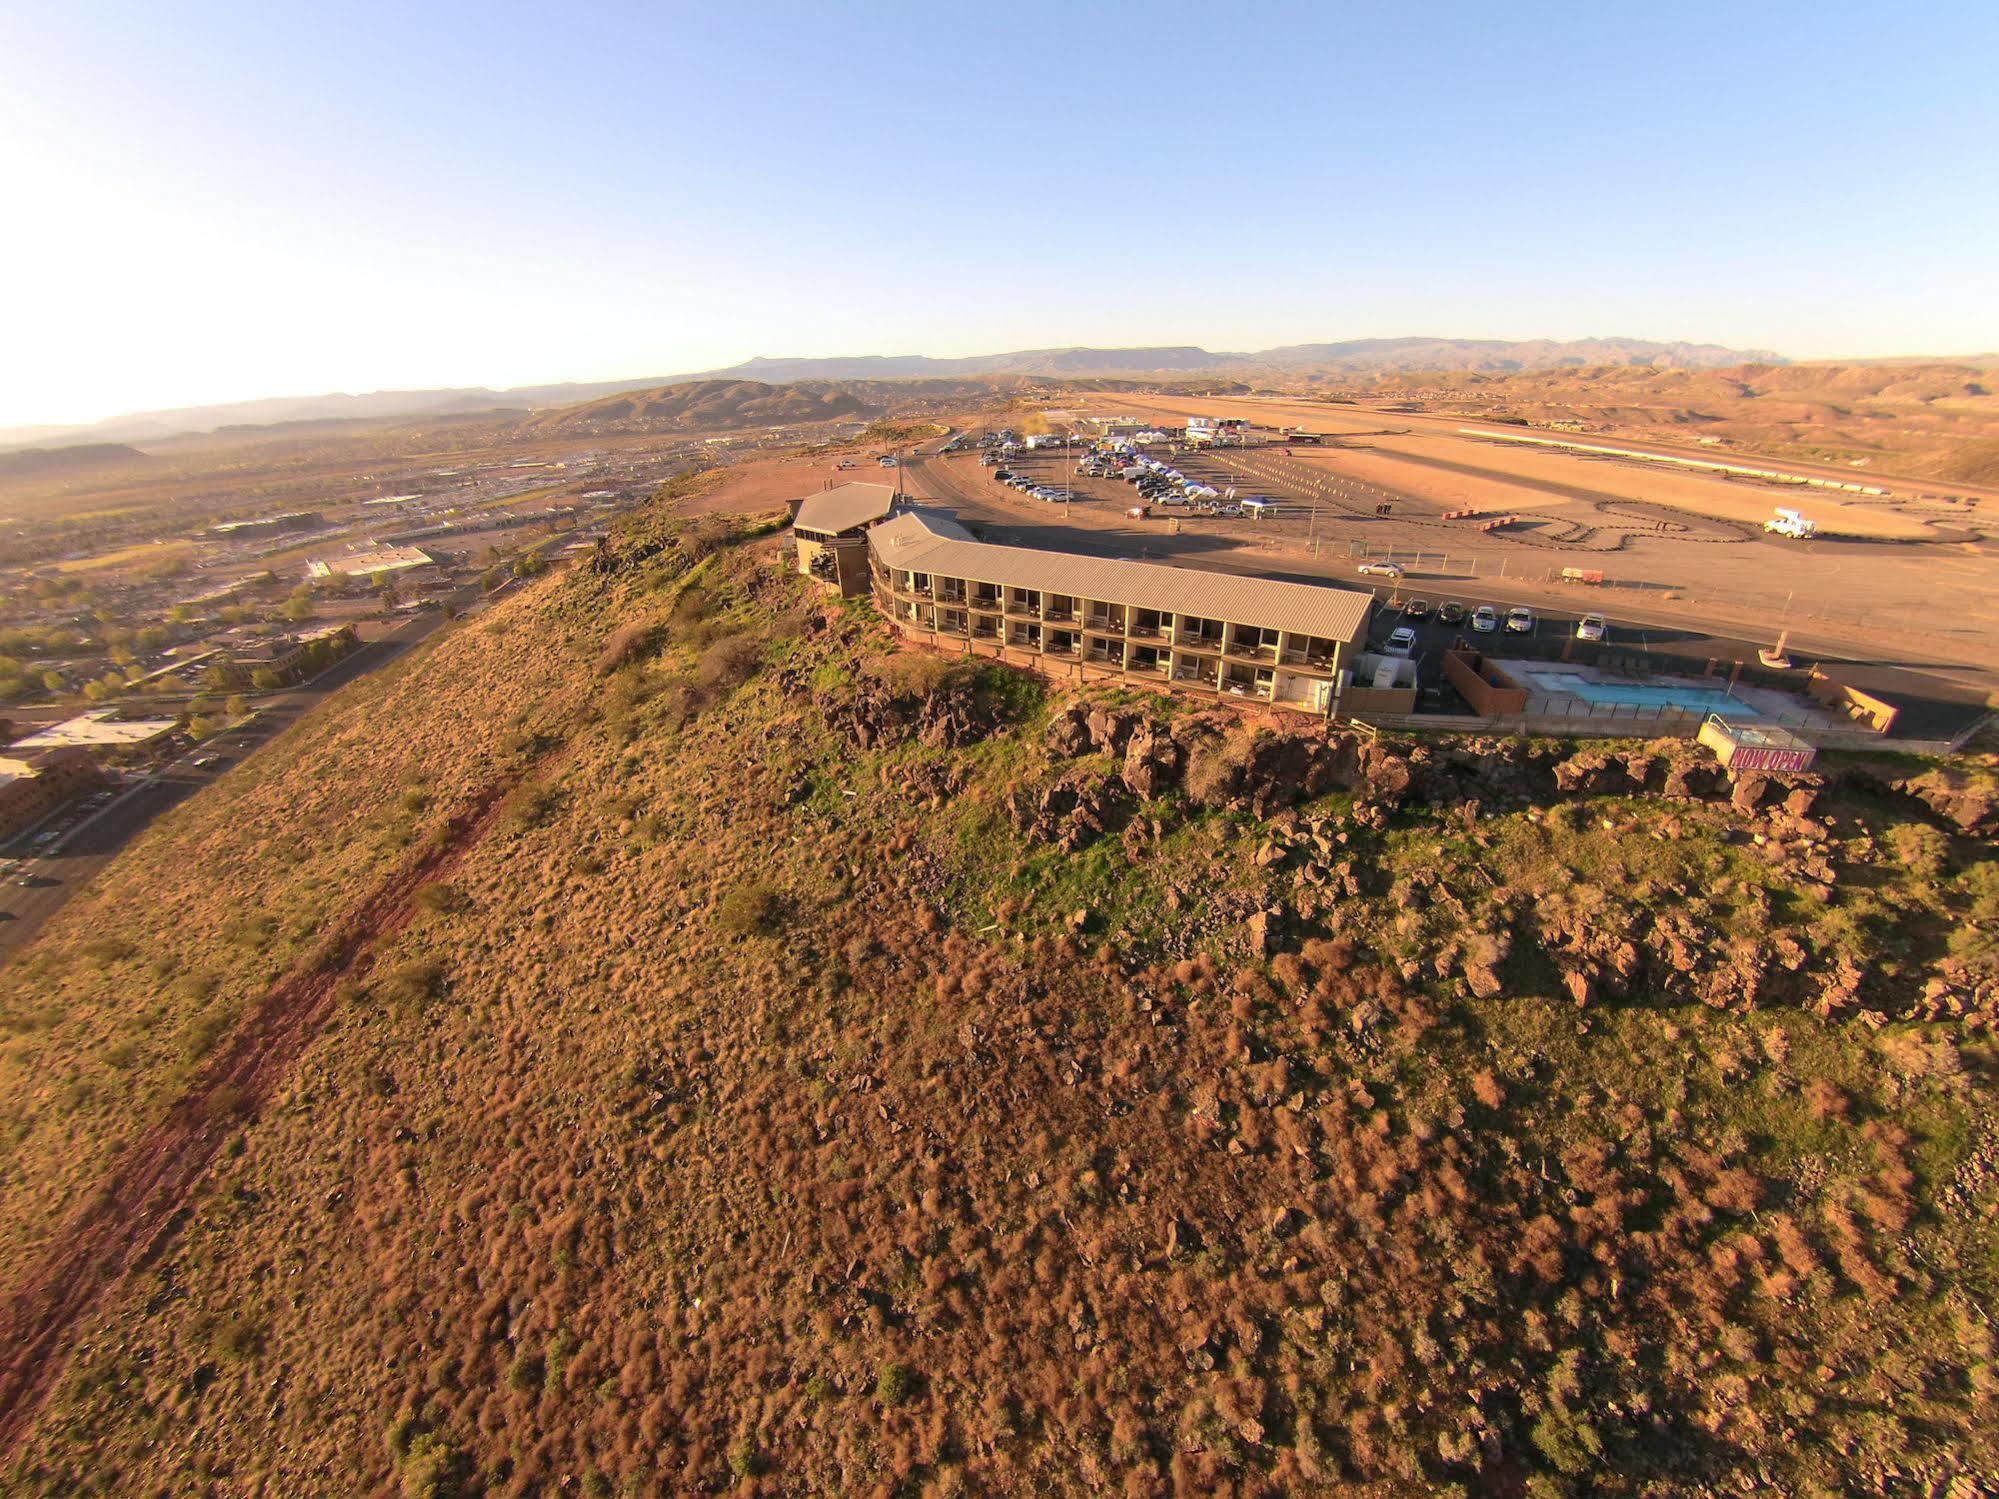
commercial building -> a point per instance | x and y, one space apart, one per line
270 525
830 530
100 732
1186 629
33 785
284 655
364 562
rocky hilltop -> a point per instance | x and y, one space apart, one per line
706 1047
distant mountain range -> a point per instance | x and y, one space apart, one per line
1355 356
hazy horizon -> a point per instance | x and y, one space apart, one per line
251 205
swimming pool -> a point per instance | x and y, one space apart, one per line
1608 694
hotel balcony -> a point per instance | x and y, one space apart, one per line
1197 673
1309 660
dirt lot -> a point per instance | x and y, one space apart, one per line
1320 416
1406 460
764 484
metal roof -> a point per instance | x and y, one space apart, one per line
917 525
844 507
1330 612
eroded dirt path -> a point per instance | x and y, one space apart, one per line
141 1205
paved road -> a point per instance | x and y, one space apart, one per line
24 909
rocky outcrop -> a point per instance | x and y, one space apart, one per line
1216 761
1074 812
875 714
1968 803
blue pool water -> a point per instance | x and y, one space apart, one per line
1687 699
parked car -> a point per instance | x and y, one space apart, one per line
1401 641
1520 620
1381 569
1593 627
1450 612
1139 512
1416 609
1485 619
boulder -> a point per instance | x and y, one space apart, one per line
1152 760
1265 929
1585 773
1802 799
1747 794
1069 733
1580 984
1111 728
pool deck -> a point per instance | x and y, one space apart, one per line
1548 684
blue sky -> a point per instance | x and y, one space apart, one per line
220 201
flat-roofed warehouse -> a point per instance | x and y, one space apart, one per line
1184 628
830 531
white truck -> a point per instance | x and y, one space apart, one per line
1788 522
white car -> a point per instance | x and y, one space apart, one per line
1484 619
1381 569
1520 621
1401 642
1593 627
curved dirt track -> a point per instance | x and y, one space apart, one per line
142 1203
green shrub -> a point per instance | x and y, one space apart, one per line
629 644
104 951
892 1384
1923 849
412 985
208 1028
922 675
531 806
442 898
728 663
752 909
